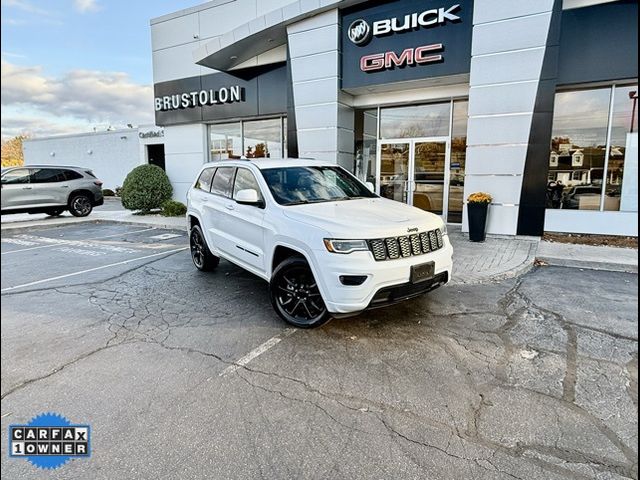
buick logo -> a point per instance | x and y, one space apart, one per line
359 32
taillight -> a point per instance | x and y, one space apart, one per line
98 183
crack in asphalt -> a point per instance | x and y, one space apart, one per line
133 318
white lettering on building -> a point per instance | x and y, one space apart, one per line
199 98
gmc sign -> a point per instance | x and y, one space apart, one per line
408 57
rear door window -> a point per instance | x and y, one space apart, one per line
47 175
222 181
20 175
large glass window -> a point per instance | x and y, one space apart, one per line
263 138
252 139
226 141
415 121
366 134
458 160
587 157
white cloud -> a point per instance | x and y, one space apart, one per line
88 97
25 6
84 6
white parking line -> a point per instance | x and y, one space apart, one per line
124 262
87 240
259 350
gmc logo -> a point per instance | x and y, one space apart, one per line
409 56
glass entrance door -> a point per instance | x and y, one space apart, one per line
415 171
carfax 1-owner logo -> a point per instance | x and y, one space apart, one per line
49 441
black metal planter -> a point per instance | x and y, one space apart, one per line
477 220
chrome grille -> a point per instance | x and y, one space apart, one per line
416 249
378 249
405 246
392 248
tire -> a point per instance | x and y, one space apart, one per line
80 205
203 259
55 212
295 295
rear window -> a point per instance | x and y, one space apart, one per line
90 173
72 175
204 180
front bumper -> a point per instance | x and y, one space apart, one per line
387 282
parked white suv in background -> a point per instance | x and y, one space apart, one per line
326 244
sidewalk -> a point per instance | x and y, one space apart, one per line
497 258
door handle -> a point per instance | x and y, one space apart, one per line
27 188
229 207
64 186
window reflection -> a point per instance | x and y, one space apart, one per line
226 141
263 138
366 125
578 172
578 146
416 121
458 160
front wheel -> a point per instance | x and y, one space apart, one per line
80 205
202 257
295 295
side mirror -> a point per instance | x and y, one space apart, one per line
370 186
248 197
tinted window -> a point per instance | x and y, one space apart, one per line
47 175
204 180
244 180
297 185
222 181
71 175
20 175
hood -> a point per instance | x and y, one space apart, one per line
364 218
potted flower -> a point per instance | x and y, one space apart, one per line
477 206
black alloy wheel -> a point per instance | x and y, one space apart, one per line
202 257
80 205
295 295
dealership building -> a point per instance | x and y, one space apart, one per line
533 102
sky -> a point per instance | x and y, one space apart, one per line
74 65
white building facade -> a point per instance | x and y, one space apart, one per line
110 154
431 101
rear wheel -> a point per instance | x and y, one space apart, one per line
80 205
202 257
295 295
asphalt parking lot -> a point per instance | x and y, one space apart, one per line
186 374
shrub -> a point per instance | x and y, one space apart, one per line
107 192
118 191
172 208
146 188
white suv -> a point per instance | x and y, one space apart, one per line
326 244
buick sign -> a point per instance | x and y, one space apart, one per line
359 32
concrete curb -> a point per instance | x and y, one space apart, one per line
16 228
588 264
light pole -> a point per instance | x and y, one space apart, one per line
633 95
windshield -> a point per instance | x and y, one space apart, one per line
298 185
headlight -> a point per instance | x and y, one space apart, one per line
345 246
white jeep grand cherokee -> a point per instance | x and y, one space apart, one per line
326 244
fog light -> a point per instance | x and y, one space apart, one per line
352 280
